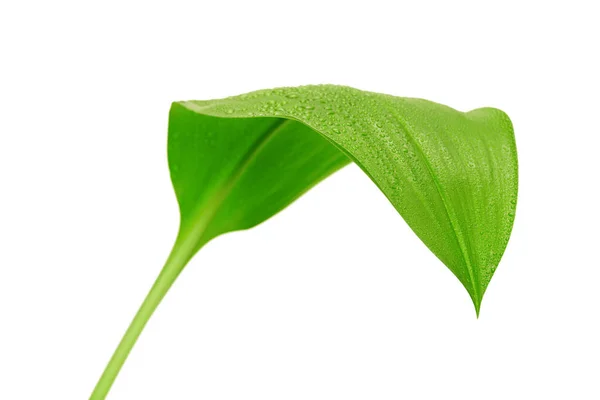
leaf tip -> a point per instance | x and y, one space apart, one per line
477 304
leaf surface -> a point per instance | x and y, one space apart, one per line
235 162
451 175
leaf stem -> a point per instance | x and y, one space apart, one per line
179 257
189 240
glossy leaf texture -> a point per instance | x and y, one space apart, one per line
235 162
451 175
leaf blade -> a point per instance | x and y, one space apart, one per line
452 176
235 162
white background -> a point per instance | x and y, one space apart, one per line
334 298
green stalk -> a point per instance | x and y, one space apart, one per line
179 257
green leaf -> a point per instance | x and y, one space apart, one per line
235 162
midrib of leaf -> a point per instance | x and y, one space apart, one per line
204 214
457 233
449 213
